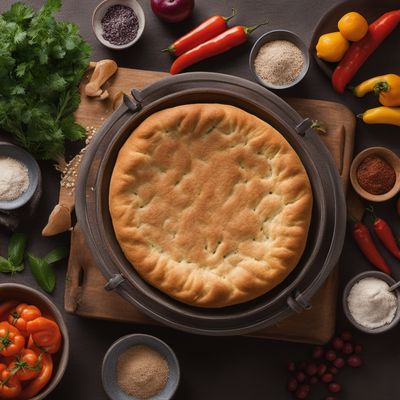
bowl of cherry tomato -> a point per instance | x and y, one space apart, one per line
34 343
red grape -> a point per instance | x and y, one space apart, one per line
354 361
330 355
347 348
334 387
339 363
318 352
337 343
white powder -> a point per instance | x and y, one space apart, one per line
14 178
371 304
279 62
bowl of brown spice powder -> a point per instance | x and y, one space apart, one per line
138 367
375 174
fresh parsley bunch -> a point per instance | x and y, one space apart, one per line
41 64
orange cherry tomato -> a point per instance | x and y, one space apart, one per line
21 315
35 386
45 334
26 366
11 340
10 386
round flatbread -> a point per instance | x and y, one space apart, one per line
210 204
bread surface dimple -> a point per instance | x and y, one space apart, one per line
210 204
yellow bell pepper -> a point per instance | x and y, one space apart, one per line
386 86
382 115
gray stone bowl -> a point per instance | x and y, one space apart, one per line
371 274
280 34
109 368
12 151
26 294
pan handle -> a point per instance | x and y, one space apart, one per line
298 303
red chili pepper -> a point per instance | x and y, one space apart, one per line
361 50
367 246
210 28
219 44
385 234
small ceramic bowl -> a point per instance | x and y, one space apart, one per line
371 274
389 157
12 151
109 368
101 10
26 294
279 35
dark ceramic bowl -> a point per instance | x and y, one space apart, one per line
371 274
371 10
25 294
279 35
109 369
12 151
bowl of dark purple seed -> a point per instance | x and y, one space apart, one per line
118 24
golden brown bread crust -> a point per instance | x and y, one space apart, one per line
210 204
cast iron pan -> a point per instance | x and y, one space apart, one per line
371 10
327 229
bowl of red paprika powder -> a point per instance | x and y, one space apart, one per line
375 174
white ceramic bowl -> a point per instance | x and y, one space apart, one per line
101 10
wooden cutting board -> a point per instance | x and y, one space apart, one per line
84 292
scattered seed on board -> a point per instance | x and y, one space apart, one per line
70 172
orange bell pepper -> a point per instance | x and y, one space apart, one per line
21 315
26 366
35 386
10 386
11 340
45 334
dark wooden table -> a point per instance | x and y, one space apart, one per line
233 368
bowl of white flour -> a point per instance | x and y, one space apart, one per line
279 59
368 303
19 176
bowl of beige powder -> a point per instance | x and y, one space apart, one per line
279 59
140 367
369 304
19 176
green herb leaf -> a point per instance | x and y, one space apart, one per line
5 265
42 61
56 255
43 273
16 249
